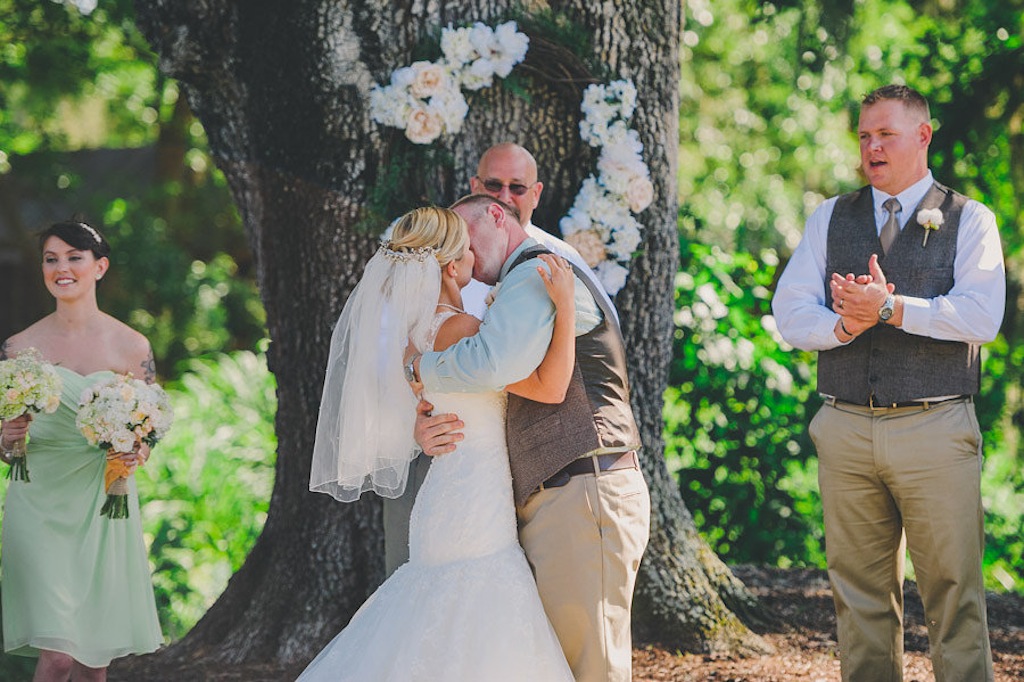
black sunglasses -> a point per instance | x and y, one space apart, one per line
495 186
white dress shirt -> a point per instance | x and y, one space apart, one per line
474 294
971 312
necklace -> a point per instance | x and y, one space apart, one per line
452 307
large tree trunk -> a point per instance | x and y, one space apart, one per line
282 90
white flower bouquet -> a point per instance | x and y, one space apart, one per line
118 415
27 384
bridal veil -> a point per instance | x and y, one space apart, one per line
364 434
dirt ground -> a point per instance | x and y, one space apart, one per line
805 645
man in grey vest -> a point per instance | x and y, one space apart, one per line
896 286
581 499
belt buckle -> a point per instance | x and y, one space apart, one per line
873 407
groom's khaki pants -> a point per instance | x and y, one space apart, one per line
584 541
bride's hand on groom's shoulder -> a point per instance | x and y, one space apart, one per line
436 434
559 281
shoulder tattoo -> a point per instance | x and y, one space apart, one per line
149 368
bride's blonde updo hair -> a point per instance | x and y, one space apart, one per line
431 227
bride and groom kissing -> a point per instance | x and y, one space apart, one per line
526 534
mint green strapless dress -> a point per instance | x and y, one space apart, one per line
73 581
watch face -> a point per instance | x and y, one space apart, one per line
885 313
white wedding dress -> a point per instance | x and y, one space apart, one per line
465 607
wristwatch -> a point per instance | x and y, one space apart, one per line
410 369
887 309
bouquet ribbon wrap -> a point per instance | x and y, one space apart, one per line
115 482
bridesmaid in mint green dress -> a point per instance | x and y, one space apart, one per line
77 590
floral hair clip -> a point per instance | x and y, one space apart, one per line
94 233
405 255
930 219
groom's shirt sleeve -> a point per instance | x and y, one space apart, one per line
513 337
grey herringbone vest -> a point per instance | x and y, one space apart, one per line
596 412
886 362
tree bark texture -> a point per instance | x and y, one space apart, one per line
282 90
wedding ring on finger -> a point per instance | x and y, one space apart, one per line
841 303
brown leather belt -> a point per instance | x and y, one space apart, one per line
922 404
592 465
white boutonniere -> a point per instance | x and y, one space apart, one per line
930 219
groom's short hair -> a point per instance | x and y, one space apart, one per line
912 99
479 202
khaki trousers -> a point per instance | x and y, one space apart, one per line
584 541
894 476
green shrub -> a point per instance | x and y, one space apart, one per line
206 490
736 414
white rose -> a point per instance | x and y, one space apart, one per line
480 74
403 77
123 441
430 79
451 106
482 38
589 244
511 42
576 220
503 66
625 242
456 46
423 126
612 276
639 193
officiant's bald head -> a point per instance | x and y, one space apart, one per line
508 172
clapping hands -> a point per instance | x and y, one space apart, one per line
858 297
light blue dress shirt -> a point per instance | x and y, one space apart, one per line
513 337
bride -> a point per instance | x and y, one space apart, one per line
465 606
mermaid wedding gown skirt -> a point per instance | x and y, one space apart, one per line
465 606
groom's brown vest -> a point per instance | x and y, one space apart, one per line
543 438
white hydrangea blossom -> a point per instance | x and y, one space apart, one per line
28 384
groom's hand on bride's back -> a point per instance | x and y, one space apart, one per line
436 434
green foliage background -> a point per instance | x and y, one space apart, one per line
769 96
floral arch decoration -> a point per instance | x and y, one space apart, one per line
425 100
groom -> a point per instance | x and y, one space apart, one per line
581 499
